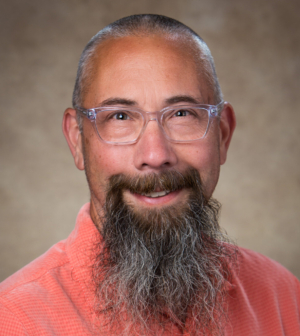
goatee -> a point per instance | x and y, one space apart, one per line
161 268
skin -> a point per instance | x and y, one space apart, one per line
148 71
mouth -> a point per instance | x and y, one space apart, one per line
156 194
158 198
155 190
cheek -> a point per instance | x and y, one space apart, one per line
204 157
106 160
101 162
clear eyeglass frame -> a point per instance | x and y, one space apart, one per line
213 112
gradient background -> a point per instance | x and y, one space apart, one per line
256 49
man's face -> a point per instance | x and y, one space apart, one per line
153 242
150 73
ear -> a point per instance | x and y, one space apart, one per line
226 128
73 136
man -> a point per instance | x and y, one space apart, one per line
147 256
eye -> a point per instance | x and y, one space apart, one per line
181 113
120 116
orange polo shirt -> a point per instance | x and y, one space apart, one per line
52 295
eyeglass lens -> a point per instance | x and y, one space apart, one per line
124 125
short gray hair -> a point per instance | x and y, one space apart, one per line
141 25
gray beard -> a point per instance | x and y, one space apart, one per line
159 267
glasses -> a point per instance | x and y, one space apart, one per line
180 123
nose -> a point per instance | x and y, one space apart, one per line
153 151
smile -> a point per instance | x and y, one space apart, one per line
155 198
155 194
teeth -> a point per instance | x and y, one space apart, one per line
156 194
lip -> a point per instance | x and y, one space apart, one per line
156 194
143 200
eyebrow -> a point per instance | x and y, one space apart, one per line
117 101
182 99
169 101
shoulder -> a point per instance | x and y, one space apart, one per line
262 282
256 267
52 289
38 272
23 296
264 298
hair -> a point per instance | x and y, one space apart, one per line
146 25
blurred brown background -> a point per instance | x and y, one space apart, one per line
256 49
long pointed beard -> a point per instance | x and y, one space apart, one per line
161 266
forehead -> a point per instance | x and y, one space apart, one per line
144 68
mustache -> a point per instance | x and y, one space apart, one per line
170 180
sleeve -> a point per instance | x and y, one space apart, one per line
9 324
